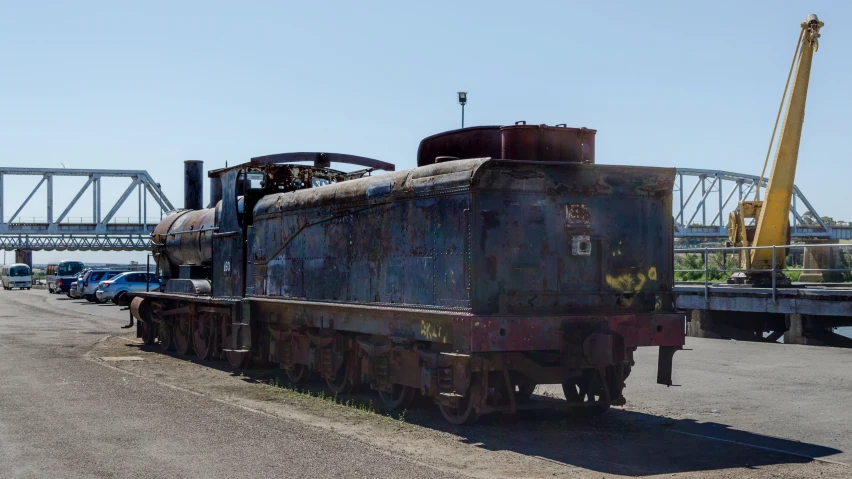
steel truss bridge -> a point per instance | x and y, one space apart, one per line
699 192
702 201
100 232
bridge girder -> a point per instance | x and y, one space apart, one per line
724 189
101 232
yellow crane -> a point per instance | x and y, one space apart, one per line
772 213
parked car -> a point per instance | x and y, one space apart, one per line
77 285
90 282
131 282
74 292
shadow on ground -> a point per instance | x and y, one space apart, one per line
621 441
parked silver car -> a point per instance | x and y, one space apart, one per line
131 282
77 286
74 292
90 283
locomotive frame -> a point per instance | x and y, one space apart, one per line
418 282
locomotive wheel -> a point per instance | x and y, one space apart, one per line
165 336
463 413
341 383
298 374
589 391
149 332
203 337
183 334
239 359
400 398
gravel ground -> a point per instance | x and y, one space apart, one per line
63 407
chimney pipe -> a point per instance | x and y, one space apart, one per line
193 184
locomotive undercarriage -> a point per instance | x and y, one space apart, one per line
591 366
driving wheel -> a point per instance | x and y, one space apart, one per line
183 334
203 336
399 398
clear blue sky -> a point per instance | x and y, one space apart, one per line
151 84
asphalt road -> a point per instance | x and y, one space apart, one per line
785 397
740 410
62 415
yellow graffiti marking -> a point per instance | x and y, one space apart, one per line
430 332
652 273
626 282
629 282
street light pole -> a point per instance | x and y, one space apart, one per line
462 102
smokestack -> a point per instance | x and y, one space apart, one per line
215 191
193 184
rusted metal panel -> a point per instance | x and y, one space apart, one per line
195 287
384 320
399 239
228 243
518 333
529 219
338 243
472 142
186 237
548 143
517 142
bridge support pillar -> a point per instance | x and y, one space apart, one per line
821 258
24 256
739 325
701 325
797 326
816 330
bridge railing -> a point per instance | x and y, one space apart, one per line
704 272
82 220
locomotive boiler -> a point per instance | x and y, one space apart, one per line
506 259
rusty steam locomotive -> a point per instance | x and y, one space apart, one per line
505 260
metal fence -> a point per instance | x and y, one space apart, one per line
706 270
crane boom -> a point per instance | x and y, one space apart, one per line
773 212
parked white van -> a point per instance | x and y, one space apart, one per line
17 275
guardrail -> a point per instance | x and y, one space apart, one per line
707 270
